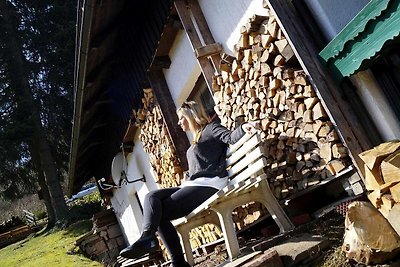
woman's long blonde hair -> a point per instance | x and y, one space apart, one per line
195 114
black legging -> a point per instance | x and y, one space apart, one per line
163 205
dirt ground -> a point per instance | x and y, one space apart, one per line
329 226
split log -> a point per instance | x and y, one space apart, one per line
374 157
284 49
373 178
393 217
395 192
390 168
387 204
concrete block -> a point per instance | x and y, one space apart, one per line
301 219
121 241
114 231
239 262
100 247
112 243
297 249
270 230
269 258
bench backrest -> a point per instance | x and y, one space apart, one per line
245 158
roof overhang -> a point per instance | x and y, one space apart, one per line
372 31
116 43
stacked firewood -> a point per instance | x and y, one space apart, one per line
204 234
265 82
382 180
247 214
157 143
242 216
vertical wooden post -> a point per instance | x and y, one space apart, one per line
338 109
199 35
168 109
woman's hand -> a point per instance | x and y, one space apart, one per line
251 126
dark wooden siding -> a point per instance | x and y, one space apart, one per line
123 41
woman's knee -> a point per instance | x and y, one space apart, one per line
149 196
154 195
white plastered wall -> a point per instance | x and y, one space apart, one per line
225 17
183 71
125 204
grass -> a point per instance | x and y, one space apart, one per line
48 249
335 258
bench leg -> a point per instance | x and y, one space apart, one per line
184 233
184 230
274 208
229 231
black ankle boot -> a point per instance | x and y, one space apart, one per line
146 244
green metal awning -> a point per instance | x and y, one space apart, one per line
376 26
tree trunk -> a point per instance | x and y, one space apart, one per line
19 81
51 216
45 194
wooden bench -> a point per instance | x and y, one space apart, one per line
248 183
30 218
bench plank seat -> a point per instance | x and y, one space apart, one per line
247 183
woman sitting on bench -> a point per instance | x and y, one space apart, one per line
206 175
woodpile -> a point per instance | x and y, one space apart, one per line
204 234
247 214
157 143
14 235
382 180
265 82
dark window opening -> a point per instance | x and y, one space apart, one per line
138 201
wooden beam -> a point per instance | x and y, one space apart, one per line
336 106
168 110
199 35
204 30
161 62
168 36
208 50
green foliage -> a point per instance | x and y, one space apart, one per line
85 207
40 214
44 31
